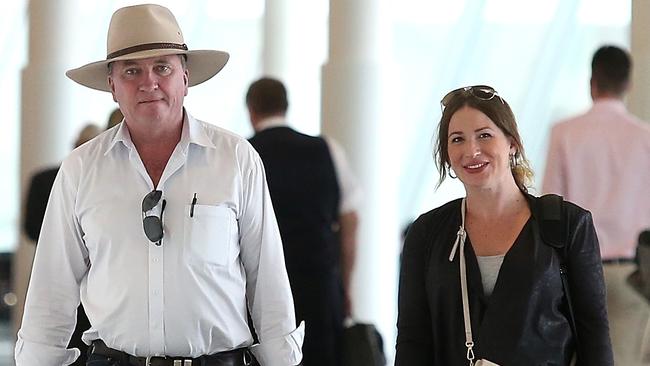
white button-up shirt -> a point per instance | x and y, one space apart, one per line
186 297
601 161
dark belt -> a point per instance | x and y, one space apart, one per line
238 357
621 260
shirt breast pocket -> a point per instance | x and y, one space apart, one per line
210 234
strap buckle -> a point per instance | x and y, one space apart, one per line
182 362
470 352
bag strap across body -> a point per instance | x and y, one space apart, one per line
553 234
459 245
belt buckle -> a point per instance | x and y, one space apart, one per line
147 361
183 362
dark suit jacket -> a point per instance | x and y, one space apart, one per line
37 197
525 321
304 189
303 185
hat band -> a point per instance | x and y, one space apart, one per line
146 47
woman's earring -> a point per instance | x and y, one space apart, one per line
514 160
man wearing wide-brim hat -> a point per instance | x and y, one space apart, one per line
161 226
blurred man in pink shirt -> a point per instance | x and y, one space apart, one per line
600 160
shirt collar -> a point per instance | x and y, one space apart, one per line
271 122
610 103
192 132
122 135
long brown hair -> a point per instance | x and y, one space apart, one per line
498 110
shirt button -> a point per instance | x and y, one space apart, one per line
155 292
155 260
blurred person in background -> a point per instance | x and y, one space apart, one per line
114 118
315 198
601 161
41 185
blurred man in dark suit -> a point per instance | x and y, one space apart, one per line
315 198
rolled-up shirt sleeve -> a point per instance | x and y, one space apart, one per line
283 350
267 284
53 295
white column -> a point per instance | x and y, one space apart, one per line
356 112
46 128
275 38
639 98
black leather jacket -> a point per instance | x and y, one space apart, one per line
525 321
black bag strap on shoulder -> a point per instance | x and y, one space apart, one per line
553 229
553 232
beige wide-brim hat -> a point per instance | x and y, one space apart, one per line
144 31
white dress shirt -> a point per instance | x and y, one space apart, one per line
350 191
601 161
186 297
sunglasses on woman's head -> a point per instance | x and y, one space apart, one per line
481 92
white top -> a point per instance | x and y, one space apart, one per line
186 297
601 161
351 194
489 266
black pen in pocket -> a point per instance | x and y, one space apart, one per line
192 206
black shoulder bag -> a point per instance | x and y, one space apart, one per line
553 232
